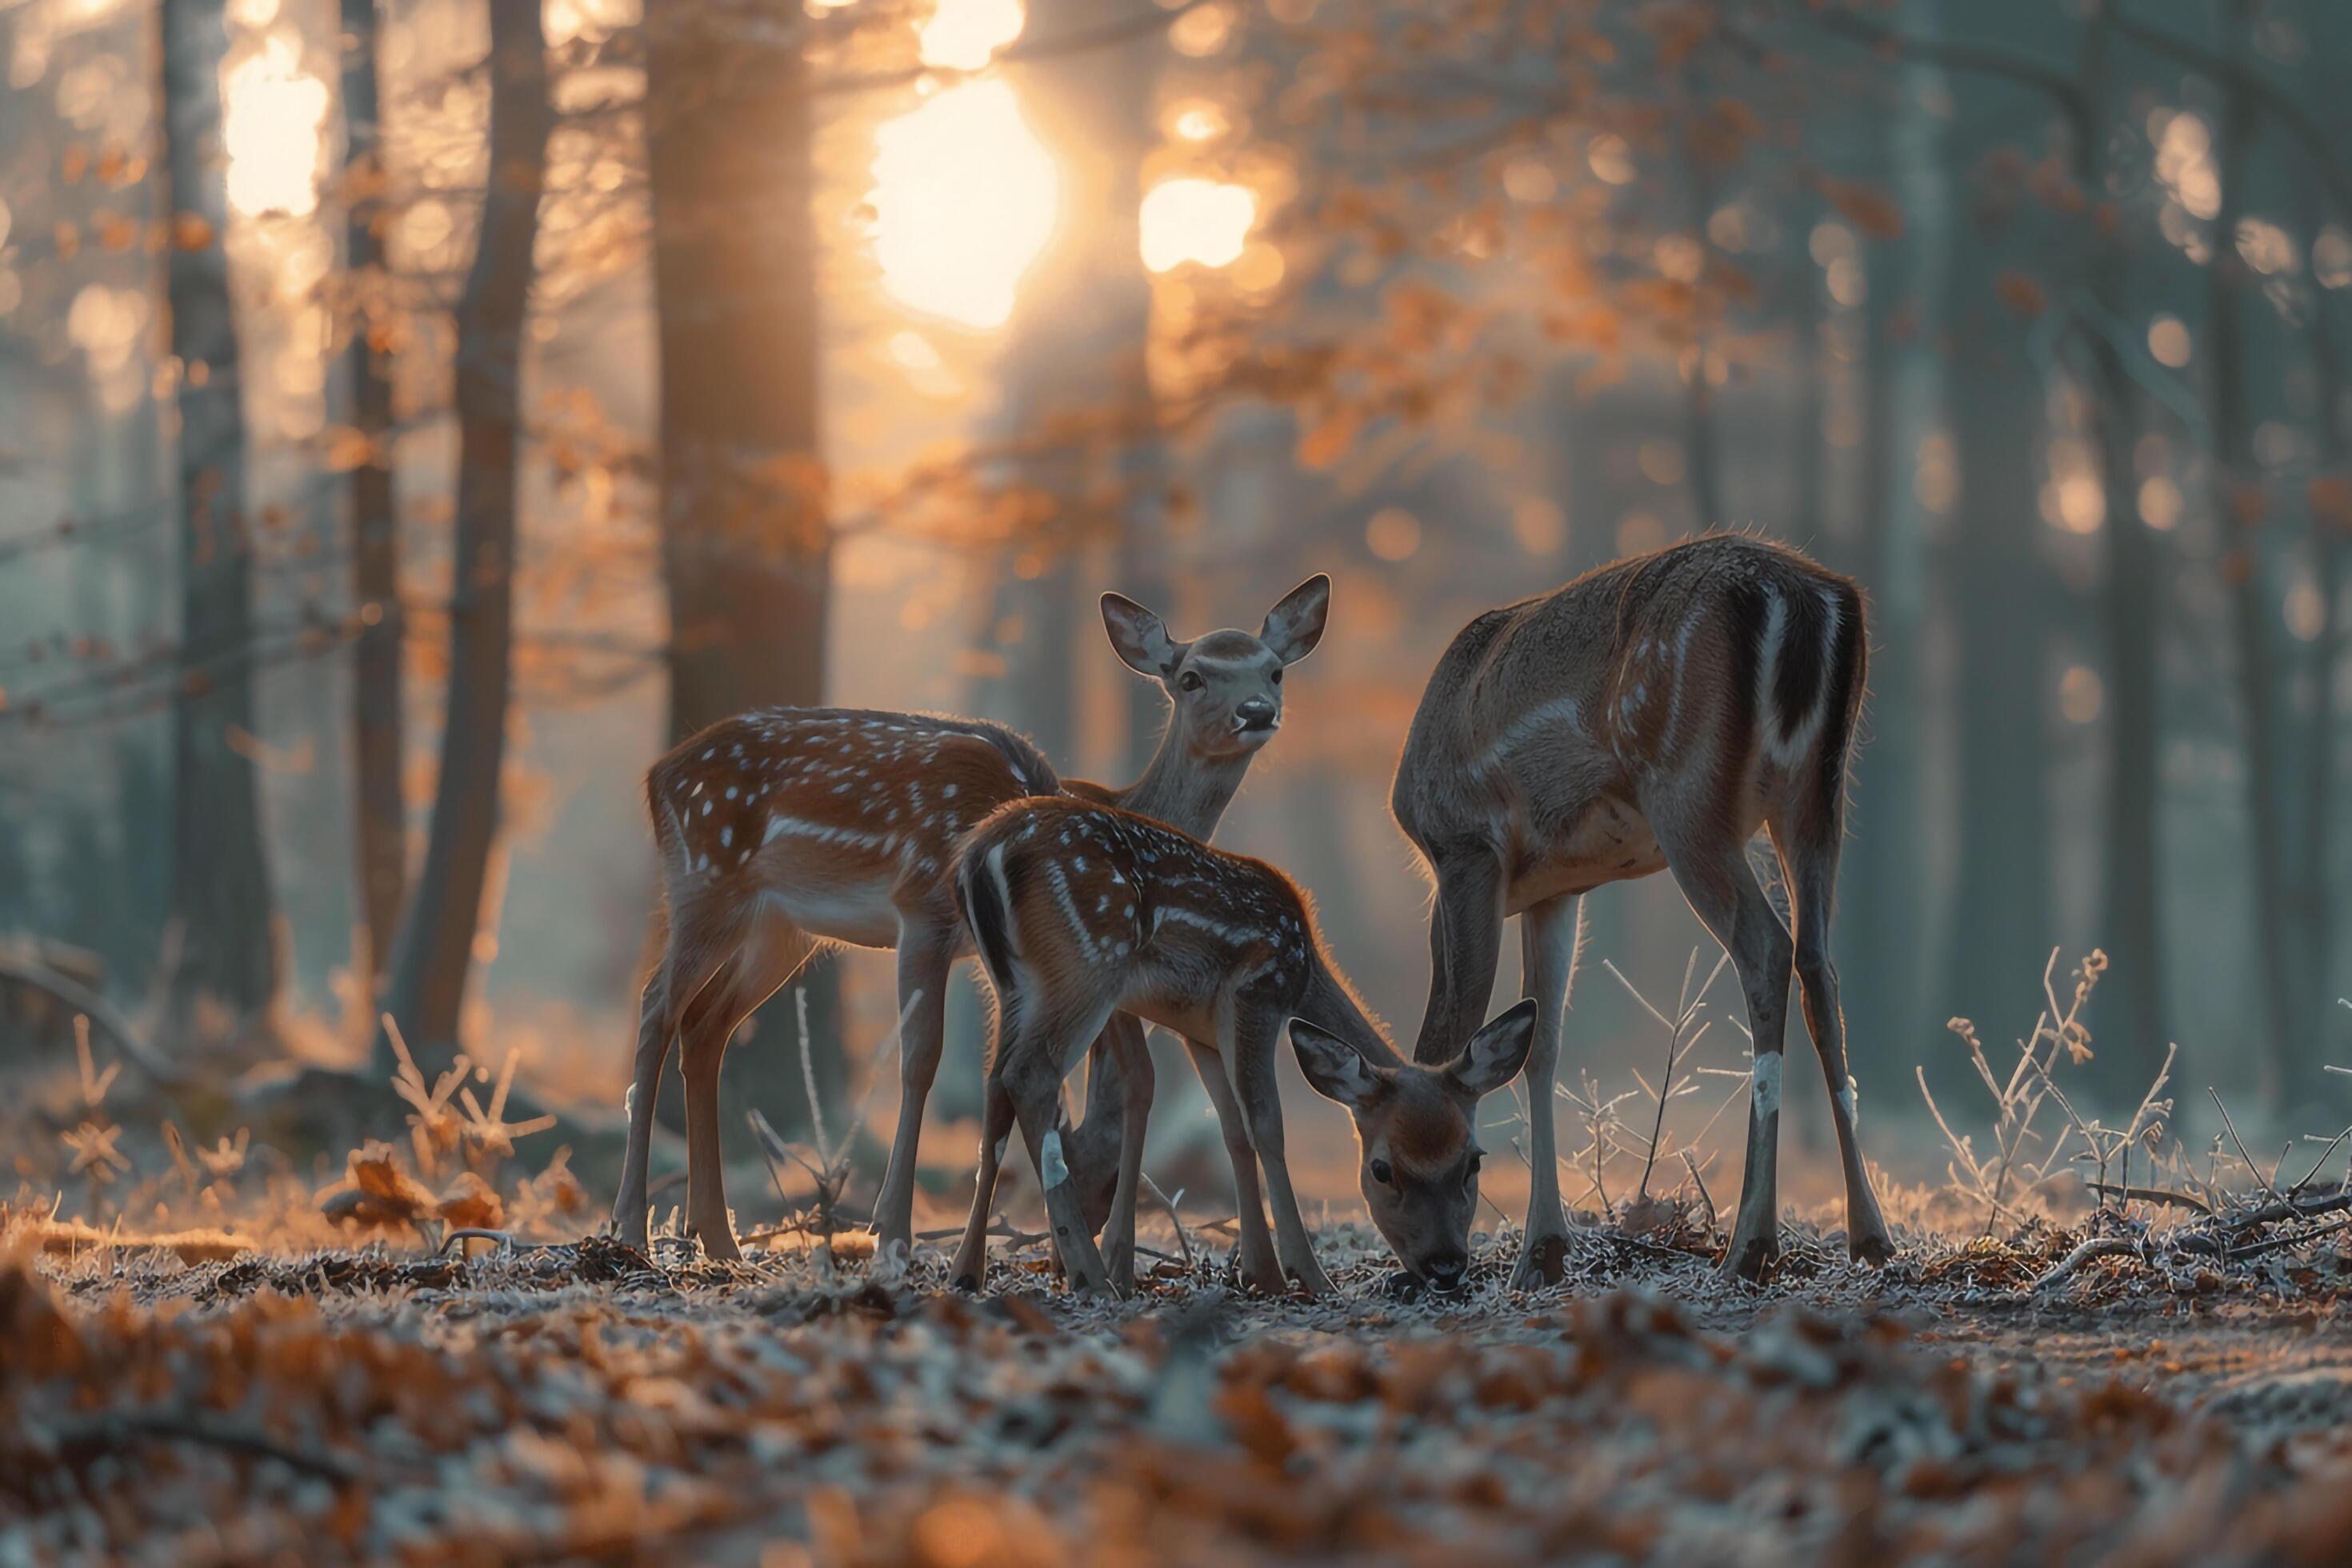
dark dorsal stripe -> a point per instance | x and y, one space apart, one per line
1804 656
1748 614
1847 676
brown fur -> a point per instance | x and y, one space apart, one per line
1654 714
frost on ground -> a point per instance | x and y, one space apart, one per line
2096 1343
585 1401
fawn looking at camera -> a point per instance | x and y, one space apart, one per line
785 831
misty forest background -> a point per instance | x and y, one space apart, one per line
416 414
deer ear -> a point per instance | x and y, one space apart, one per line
1496 1052
1294 625
1333 1069
1139 636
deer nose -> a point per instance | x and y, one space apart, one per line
1257 713
1445 1273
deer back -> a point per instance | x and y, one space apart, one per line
839 815
1074 898
1728 667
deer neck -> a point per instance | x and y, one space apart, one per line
1184 789
1331 1006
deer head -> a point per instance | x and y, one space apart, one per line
1417 1128
1225 686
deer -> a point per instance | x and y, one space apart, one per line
1649 715
788 831
1082 911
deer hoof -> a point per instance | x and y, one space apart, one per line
1264 1280
1749 1256
1118 1264
1873 1249
891 1261
1543 1262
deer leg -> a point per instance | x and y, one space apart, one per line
1466 939
1715 876
969 1269
1096 1146
1548 940
701 1052
1250 1059
1260 1270
654 1032
1810 859
1132 1077
926 957
764 962
703 941
1033 1077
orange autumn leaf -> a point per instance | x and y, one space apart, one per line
1866 206
1328 440
345 448
2020 293
2248 505
471 1204
2331 501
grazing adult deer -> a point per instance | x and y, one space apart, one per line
787 830
1082 910
1652 714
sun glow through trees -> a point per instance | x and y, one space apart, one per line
965 196
1195 220
273 112
963 35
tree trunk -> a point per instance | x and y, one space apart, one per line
2331 532
379 829
2237 502
1881 936
745 537
2132 929
224 975
2000 934
435 951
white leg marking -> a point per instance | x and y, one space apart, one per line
1851 1098
1054 1172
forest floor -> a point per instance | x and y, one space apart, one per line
189 1402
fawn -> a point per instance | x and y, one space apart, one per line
1081 911
784 831
1651 714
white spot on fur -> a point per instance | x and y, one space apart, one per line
1851 1098
1053 1170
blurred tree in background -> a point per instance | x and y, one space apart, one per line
582 373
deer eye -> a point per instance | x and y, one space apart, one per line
1277 675
1190 680
1382 1175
